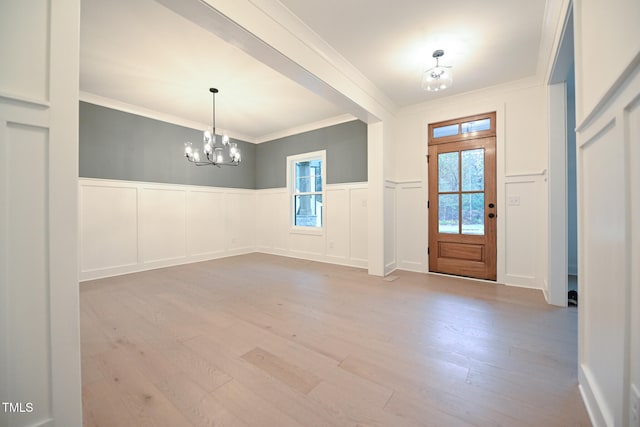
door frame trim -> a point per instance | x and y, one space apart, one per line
443 114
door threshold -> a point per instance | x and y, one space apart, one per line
494 282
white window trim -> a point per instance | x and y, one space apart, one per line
292 160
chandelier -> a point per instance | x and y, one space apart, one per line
438 77
215 154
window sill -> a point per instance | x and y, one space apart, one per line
307 230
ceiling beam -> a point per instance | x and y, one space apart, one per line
270 33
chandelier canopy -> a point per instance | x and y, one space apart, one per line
215 154
439 77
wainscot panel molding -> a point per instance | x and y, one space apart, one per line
130 226
520 228
390 227
411 223
608 158
524 224
39 312
344 240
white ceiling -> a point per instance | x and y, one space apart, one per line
487 42
138 52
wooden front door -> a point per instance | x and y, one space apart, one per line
462 197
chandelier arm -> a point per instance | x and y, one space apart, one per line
214 117
211 163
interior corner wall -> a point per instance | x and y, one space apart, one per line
521 167
345 144
344 238
136 216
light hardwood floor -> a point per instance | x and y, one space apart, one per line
260 340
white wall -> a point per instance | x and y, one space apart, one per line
134 226
557 257
377 223
572 215
344 240
521 166
606 43
607 51
39 331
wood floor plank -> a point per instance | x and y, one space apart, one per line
292 375
303 331
407 378
292 352
278 394
142 399
250 407
350 410
196 404
261 340
421 411
102 406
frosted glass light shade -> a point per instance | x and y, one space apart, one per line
436 79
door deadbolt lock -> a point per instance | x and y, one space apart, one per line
491 206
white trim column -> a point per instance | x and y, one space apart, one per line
557 257
375 174
39 310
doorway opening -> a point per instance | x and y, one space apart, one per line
563 284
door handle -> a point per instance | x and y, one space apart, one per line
492 215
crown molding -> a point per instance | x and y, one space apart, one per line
332 121
168 118
114 104
471 96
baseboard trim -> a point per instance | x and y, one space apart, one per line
103 273
310 256
589 392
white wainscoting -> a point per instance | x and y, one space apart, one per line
608 158
25 263
344 240
133 226
520 229
525 229
39 327
411 215
390 227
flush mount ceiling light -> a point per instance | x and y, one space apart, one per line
439 77
216 154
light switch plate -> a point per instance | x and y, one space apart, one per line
513 200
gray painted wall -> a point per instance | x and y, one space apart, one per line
346 146
119 145
125 146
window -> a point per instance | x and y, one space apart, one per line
465 128
306 183
442 131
